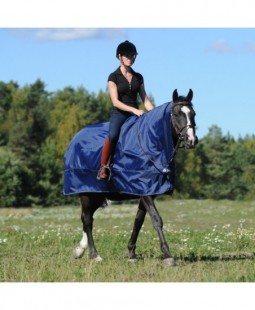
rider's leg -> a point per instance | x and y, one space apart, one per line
116 121
105 159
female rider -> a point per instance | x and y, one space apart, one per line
124 84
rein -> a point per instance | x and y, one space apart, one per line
180 139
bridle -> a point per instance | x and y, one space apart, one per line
181 133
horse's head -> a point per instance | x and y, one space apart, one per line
183 119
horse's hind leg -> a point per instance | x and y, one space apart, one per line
87 219
140 216
158 225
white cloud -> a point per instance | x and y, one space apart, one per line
67 34
220 46
250 47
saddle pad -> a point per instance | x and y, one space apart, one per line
140 165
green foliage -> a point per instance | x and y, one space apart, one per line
218 168
36 127
68 127
27 119
223 169
6 97
10 178
246 159
189 172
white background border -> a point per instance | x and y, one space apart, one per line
131 13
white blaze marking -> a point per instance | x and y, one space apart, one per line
84 241
190 131
186 110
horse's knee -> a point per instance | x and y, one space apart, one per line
139 220
151 208
157 221
87 220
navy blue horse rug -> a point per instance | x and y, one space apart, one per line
141 162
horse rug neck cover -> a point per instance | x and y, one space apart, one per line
141 162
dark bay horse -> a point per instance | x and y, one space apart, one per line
182 120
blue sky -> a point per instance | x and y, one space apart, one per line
218 64
205 45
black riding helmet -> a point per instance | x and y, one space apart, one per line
126 48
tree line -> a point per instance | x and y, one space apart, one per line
36 127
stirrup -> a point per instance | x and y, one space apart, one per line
107 173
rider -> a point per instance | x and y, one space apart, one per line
124 84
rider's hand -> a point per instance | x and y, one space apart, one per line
138 112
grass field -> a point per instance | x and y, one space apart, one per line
211 241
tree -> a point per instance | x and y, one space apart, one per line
71 123
189 171
223 172
28 119
28 123
246 157
98 108
10 179
6 95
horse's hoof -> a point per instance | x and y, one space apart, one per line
78 252
132 260
98 258
169 262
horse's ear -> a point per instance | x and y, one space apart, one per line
175 95
190 95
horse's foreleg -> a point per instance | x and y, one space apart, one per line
136 229
80 249
158 225
87 239
87 219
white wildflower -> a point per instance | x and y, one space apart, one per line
226 226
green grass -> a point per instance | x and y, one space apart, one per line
211 241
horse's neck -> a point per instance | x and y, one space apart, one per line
156 126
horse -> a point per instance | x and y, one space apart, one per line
183 132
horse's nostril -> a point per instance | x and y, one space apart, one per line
190 143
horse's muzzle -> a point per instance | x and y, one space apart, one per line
191 143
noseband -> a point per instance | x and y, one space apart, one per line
181 135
